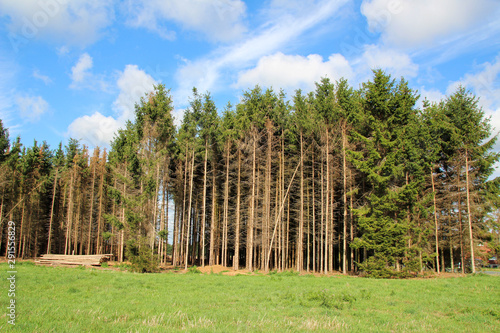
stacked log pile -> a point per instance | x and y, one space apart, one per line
82 260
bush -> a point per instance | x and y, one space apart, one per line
377 267
193 270
141 257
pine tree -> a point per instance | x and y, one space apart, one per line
383 220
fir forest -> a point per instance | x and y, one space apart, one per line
355 180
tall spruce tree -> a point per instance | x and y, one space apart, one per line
383 221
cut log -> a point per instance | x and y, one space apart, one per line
80 260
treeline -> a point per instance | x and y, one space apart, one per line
336 179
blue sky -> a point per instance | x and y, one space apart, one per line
75 68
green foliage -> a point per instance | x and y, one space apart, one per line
106 235
193 270
4 142
163 234
141 257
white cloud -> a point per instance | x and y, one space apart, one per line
485 84
80 71
63 50
205 73
412 23
133 83
37 75
219 20
32 107
432 95
294 71
76 22
98 129
82 76
393 62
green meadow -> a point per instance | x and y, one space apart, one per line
60 299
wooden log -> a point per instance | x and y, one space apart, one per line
83 260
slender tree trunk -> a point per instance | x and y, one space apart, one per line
460 229
300 234
213 222
183 214
327 208
204 210
435 222
91 210
186 254
351 219
314 259
69 216
322 235
252 209
267 200
236 259
451 259
469 216
226 206
49 241
99 248
344 183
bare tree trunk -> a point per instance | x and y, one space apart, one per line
344 176
236 259
182 214
226 207
213 223
435 223
91 209
267 200
186 254
462 264
69 216
351 219
314 261
469 216
204 209
300 234
49 241
322 235
327 208
252 209
99 215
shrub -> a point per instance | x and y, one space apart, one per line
141 257
193 270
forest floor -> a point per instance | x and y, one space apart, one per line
86 299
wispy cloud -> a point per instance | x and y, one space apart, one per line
32 107
81 70
37 75
219 20
76 22
401 21
82 76
205 73
98 129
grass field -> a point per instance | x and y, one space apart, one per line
90 300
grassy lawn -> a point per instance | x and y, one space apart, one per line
89 300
